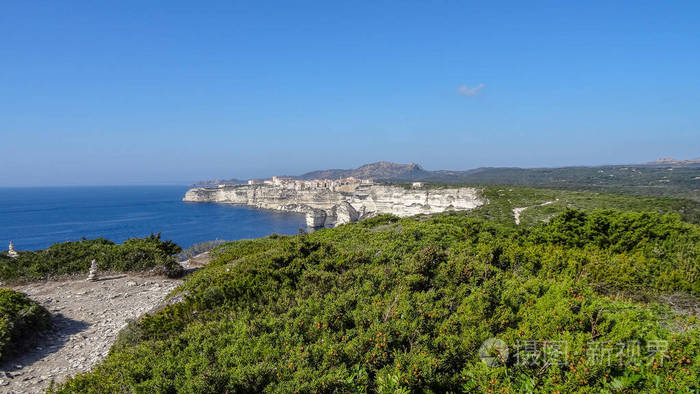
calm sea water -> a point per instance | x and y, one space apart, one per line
35 218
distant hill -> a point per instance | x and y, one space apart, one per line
673 162
383 170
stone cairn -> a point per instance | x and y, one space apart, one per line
11 251
92 275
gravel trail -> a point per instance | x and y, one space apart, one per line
86 316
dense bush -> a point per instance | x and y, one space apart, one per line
20 318
401 305
631 251
136 254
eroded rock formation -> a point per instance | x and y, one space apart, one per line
316 218
345 213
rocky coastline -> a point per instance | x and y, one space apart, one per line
325 207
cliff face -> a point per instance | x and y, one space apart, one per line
366 201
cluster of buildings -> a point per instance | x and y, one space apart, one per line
340 185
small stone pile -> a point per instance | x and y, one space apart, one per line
92 275
11 251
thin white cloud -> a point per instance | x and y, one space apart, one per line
465 90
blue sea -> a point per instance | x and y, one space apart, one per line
34 218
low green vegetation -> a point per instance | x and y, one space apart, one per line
20 318
542 204
502 200
681 181
136 254
409 305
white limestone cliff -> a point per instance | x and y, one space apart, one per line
343 207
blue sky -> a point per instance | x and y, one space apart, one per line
146 92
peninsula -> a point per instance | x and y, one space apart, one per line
328 202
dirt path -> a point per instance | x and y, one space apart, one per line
87 316
518 211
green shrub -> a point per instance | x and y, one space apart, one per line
136 254
404 305
20 318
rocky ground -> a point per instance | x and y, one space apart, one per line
87 316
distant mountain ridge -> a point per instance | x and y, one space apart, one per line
669 161
383 170
388 171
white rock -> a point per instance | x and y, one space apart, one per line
316 218
345 213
